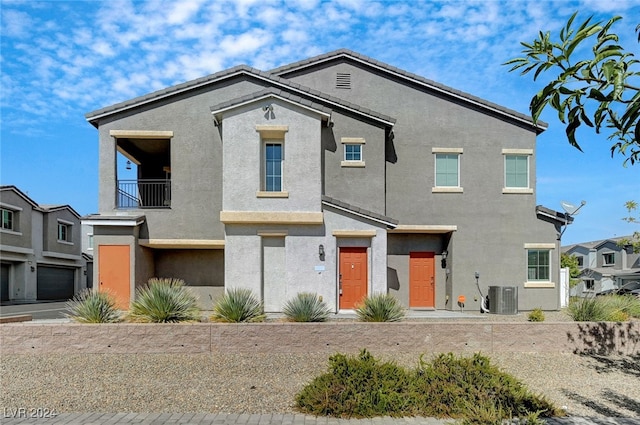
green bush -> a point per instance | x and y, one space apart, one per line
587 310
448 387
93 307
607 308
536 315
357 386
306 307
164 300
238 305
380 308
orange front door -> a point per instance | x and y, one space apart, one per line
114 273
353 276
421 279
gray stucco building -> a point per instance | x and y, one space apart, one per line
339 175
40 249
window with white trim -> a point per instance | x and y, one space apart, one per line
90 241
273 165
589 284
608 258
538 265
8 219
64 232
516 171
447 170
352 152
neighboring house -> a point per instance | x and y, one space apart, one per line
338 175
40 250
604 265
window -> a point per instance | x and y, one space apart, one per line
516 171
90 241
589 284
273 166
608 259
7 219
538 265
352 152
580 261
447 170
64 232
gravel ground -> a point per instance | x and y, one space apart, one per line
267 383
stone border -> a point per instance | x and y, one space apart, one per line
432 337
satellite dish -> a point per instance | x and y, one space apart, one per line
570 208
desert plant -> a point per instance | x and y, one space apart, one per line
536 315
93 307
238 305
627 304
306 307
446 387
380 308
164 300
588 309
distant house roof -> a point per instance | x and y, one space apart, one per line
594 244
539 126
43 208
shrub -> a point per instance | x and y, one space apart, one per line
357 386
306 307
93 307
164 300
587 310
536 315
238 305
447 387
607 308
380 308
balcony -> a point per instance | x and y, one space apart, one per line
147 193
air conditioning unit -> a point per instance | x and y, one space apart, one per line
503 299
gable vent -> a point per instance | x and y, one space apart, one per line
343 80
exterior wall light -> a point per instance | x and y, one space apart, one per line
321 252
443 262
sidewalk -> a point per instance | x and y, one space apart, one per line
20 417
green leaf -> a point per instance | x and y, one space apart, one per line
571 133
597 95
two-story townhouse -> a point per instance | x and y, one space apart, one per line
40 250
338 175
604 265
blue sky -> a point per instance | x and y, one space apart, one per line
62 59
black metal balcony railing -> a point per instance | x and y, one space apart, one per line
144 193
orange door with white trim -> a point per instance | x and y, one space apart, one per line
422 279
353 276
114 273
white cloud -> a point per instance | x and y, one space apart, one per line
182 11
16 23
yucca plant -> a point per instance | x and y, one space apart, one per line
238 305
164 300
380 308
587 310
93 307
306 307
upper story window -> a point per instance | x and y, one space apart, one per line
64 231
447 170
580 261
272 160
273 166
516 170
8 219
608 258
353 152
90 241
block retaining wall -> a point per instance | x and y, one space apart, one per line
431 337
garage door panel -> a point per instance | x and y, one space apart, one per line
4 283
55 283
